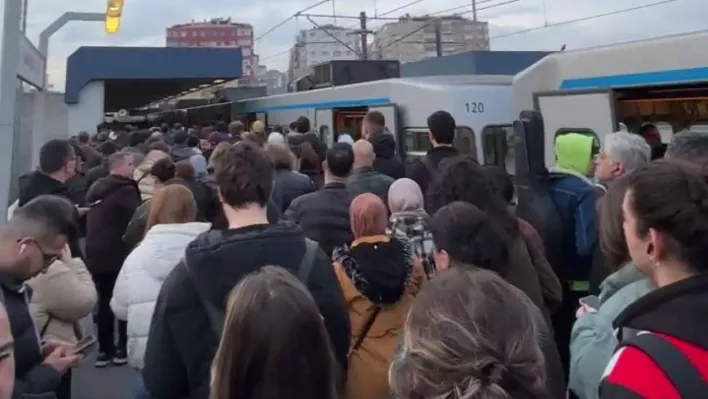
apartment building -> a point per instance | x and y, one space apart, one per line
413 39
316 45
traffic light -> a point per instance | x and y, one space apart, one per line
113 14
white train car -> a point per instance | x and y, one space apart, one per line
663 81
481 105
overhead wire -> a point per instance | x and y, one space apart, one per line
288 19
588 18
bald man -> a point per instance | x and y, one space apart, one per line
364 179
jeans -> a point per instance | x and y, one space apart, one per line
106 319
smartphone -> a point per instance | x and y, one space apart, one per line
591 301
85 344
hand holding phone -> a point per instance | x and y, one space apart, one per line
86 343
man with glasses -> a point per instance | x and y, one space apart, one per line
29 243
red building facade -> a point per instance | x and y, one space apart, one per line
217 33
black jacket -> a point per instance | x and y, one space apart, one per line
387 161
96 173
106 222
208 205
37 183
181 346
422 170
367 180
289 185
324 216
31 376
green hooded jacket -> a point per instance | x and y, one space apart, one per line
574 153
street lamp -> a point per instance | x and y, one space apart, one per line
113 14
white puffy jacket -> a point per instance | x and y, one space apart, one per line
141 277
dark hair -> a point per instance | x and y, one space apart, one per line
340 159
54 155
275 344
689 146
185 170
671 196
463 179
221 127
375 118
280 155
107 148
317 145
468 236
302 125
192 141
309 160
645 129
51 214
610 221
244 175
442 127
163 170
135 139
83 137
501 181
179 137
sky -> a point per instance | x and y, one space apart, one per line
514 24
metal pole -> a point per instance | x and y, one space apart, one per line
40 135
24 15
474 10
9 61
438 38
364 34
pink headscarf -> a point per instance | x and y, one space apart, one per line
368 216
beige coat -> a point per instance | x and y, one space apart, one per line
146 181
60 298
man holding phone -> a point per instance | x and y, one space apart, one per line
29 243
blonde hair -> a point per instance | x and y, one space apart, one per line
259 356
468 335
171 204
258 127
219 151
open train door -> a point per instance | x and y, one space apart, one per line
390 113
590 111
324 121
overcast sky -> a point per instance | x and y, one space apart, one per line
144 22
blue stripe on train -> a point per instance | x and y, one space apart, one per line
365 102
673 76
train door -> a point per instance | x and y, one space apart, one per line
323 125
582 112
263 117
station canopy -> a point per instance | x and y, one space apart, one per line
137 76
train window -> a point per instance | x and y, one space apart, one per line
416 143
498 143
465 142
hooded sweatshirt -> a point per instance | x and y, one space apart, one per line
575 197
386 161
181 346
377 271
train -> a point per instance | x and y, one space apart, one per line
590 91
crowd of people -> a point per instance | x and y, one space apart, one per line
230 263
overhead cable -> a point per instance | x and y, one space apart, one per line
288 19
572 21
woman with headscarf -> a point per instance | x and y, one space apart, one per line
379 279
276 138
410 221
